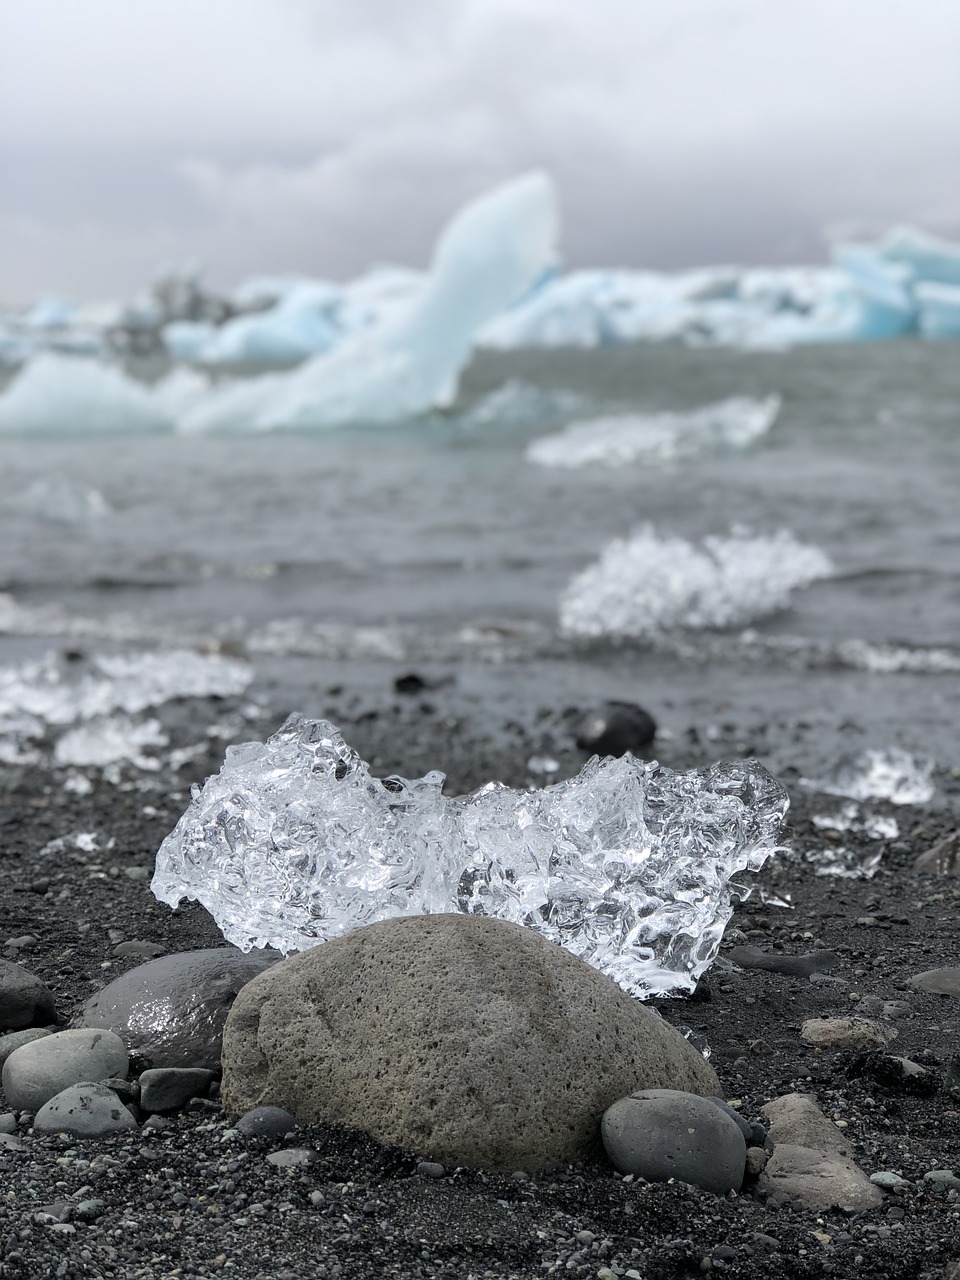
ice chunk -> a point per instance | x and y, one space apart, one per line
302 323
627 865
844 863
516 404
111 740
486 257
648 584
56 394
180 390
50 312
927 257
892 774
188 340
658 437
939 307
874 826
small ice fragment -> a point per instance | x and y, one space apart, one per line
846 864
874 826
111 740
57 498
892 774
542 764
627 865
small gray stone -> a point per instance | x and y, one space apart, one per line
430 1169
87 1110
942 982
14 1039
889 1180
11 1142
663 1133
292 1157
8 1122
756 1161
266 1122
140 950
38 1071
168 1088
847 1033
943 1178
25 1001
89 1210
802 966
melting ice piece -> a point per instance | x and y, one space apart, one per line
57 394
892 774
627 865
648 584
486 257
844 863
658 437
875 826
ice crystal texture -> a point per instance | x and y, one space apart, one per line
892 774
627 865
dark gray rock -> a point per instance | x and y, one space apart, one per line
663 1133
87 1110
38 1071
802 966
466 1039
25 1001
170 1011
169 1088
135 949
266 1122
942 982
943 859
745 1128
616 728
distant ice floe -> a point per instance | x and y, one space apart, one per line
91 715
889 774
649 584
658 437
62 500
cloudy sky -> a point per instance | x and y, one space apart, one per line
320 135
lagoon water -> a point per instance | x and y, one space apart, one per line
439 545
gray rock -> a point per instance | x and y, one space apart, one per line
943 859
818 1179
430 1169
14 1039
168 1088
470 1040
292 1157
745 1128
87 1110
943 1178
139 950
11 1142
8 1122
37 1071
889 1180
942 982
847 1033
756 1162
171 1011
25 1001
796 1119
662 1134
266 1122
802 966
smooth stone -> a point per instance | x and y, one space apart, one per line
266 1122
943 1178
817 1179
170 1011
743 1125
659 1134
38 1071
616 728
87 1110
795 1119
168 1088
14 1040
139 950
942 982
889 1180
756 1162
943 859
468 1040
25 1001
8 1122
847 1033
292 1157
11 1142
800 966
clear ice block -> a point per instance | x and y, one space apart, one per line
627 865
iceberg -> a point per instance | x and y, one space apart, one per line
627 865
657 437
939 308
646 585
928 258
302 323
487 256
58 394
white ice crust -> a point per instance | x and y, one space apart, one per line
627 865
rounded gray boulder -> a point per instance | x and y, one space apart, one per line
467 1039
661 1134
86 1110
171 1011
37 1071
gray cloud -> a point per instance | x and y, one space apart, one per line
316 136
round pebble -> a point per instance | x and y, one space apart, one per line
266 1122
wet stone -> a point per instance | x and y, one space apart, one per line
25 1001
266 1122
35 1072
85 1110
168 1088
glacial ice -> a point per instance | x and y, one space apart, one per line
939 310
658 437
58 394
627 865
649 584
879 774
490 252
301 324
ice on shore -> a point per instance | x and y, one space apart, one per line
658 437
649 584
627 865
488 255
879 774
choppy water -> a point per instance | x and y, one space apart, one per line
445 542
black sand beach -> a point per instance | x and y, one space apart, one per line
186 1199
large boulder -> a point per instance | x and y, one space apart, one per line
170 1012
464 1038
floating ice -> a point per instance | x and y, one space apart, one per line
658 437
939 306
648 584
627 865
56 394
302 323
486 257
892 774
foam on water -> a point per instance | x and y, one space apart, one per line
649 584
658 437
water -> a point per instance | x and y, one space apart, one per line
354 553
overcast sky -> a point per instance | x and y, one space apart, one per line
321 135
